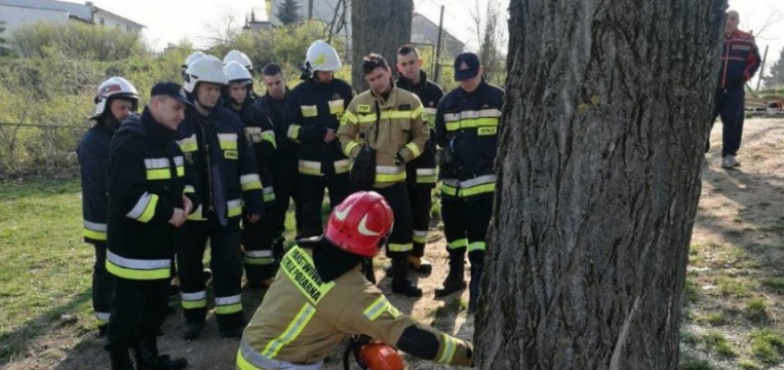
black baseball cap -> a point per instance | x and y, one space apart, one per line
170 89
466 66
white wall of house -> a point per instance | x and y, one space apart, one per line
15 16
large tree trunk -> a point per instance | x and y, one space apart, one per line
378 26
607 112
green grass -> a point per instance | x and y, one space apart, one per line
757 309
716 318
716 342
775 283
747 364
767 346
733 287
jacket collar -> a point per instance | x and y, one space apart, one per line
409 85
390 101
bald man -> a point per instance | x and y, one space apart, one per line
740 60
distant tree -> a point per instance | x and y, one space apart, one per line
776 77
288 12
3 39
378 26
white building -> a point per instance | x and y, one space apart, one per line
16 13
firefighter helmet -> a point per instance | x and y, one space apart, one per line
322 57
239 57
360 223
115 87
206 69
196 55
379 356
236 73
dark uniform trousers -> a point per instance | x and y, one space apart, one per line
138 310
728 103
399 243
286 182
102 285
226 264
421 203
311 197
465 225
257 242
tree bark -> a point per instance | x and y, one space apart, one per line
600 150
378 26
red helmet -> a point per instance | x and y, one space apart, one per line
379 356
359 223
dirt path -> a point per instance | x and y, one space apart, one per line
738 207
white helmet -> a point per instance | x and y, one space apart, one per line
322 57
205 69
196 55
236 72
115 87
239 57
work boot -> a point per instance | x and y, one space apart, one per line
192 330
420 265
102 330
148 357
120 359
400 282
477 266
729 161
454 281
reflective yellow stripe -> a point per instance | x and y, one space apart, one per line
378 307
196 215
250 182
448 189
471 123
244 364
227 141
298 266
292 331
144 210
134 269
342 166
389 114
349 147
95 235
102 317
310 168
337 106
293 132
228 305
188 144
477 246
448 353
477 190
458 244
348 117
420 236
381 177
188 189
400 247
309 110
193 300
269 136
414 149
269 194
235 208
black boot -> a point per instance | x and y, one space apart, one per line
454 281
148 358
400 282
192 330
477 267
120 359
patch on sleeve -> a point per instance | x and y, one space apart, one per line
363 108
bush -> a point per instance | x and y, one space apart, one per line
77 40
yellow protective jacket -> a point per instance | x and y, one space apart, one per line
303 318
401 135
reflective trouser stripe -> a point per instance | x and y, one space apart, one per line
194 300
458 244
393 247
426 175
296 326
420 236
269 194
235 207
228 305
476 246
134 269
102 317
258 257
450 345
94 230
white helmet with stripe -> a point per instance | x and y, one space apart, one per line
206 69
113 88
322 57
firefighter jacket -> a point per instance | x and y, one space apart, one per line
260 133
274 110
147 178
467 126
93 156
303 318
740 60
422 170
395 126
313 108
224 163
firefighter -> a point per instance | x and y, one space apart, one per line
213 139
257 237
467 131
196 55
115 100
311 119
284 176
393 123
740 61
239 57
151 192
321 296
422 175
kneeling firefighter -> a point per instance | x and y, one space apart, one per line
321 296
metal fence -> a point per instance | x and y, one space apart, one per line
45 149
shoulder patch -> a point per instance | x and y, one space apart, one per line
363 108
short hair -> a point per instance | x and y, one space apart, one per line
734 12
408 49
373 61
271 70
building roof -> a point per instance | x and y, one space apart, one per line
75 10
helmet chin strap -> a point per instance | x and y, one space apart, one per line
202 105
